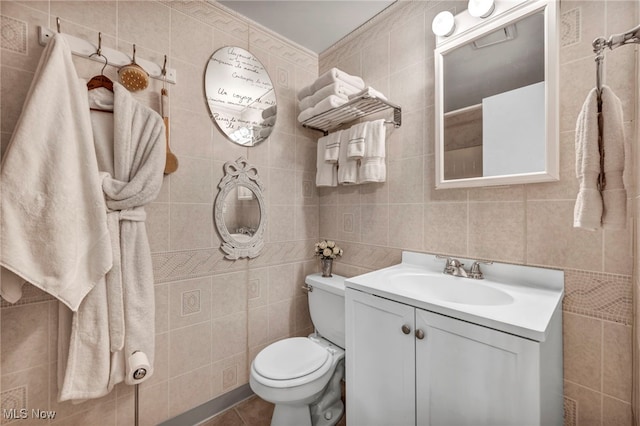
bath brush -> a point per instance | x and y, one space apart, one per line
132 76
171 164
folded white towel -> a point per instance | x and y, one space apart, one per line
587 212
332 149
326 173
268 112
331 76
357 135
264 133
370 91
269 121
53 219
338 88
324 105
614 195
347 168
376 139
373 167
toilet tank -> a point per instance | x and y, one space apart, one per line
326 306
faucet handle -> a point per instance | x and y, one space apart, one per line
455 263
475 271
446 263
450 261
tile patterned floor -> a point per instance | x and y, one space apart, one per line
251 412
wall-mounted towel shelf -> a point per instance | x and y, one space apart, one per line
86 49
354 109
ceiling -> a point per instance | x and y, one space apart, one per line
314 24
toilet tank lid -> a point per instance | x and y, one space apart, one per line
334 284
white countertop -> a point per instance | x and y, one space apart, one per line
536 293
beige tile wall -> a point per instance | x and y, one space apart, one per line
636 266
213 315
527 224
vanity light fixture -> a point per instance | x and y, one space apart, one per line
481 8
443 24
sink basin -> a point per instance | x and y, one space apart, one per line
449 289
516 299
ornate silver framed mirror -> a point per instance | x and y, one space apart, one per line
240 212
240 95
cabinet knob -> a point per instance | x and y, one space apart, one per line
420 334
406 329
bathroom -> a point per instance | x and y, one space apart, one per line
214 315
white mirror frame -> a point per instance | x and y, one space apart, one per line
468 29
240 172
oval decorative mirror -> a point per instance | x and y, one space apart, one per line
240 211
497 97
240 96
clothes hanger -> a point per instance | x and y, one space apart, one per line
100 80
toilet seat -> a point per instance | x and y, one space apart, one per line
295 361
290 359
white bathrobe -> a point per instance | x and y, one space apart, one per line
131 155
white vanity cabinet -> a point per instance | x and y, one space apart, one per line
410 366
380 361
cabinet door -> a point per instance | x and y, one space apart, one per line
380 361
472 375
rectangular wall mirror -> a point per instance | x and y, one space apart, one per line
496 99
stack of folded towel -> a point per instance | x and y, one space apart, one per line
269 116
330 90
352 156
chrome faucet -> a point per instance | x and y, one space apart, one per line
454 267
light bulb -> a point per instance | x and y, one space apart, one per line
481 8
443 24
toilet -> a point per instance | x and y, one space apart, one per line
302 375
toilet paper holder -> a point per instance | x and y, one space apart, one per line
139 373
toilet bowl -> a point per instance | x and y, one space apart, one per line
302 375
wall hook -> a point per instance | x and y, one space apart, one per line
87 49
58 23
99 51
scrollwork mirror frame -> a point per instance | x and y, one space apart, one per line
240 172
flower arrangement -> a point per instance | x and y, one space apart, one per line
327 250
